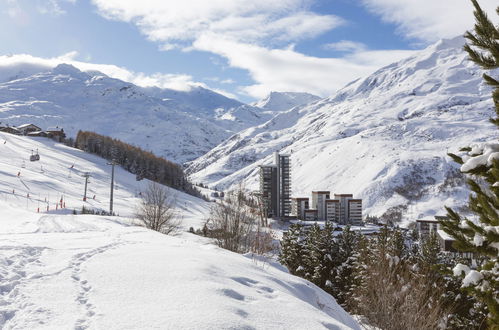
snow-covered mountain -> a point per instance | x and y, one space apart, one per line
383 138
177 125
65 271
228 113
281 101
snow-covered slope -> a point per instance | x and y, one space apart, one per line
280 101
230 114
383 138
65 271
170 123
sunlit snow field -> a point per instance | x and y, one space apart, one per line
65 271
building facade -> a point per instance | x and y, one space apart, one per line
354 211
283 164
298 207
426 227
319 202
275 186
310 215
268 188
332 210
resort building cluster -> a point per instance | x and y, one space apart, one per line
275 190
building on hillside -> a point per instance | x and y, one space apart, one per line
28 128
426 227
343 209
350 209
283 164
11 130
319 202
354 211
38 134
298 207
446 245
56 133
275 186
268 188
310 215
332 210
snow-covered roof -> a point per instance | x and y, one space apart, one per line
444 235
26 125
54 129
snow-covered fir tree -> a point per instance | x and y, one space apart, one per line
479 234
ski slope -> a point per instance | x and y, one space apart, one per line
65 271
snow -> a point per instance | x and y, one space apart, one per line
384 138
281 101
59 270
459 269
472 278
478 240
444 235
481 155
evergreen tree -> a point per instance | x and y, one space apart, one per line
481 236
312 253
291 254
344 273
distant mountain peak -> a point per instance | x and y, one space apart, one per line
281 101
69 70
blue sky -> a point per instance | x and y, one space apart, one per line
243 49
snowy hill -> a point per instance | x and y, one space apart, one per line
280 101
383 138
60 271
170 123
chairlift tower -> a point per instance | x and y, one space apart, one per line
86 176
112 163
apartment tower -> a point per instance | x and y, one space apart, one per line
275 186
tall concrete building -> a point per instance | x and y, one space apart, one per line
319 203
283 184
268 188
275 186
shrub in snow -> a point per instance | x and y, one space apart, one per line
156 209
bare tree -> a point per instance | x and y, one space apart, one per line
231 222
156 210
236 224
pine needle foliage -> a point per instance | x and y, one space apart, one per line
480 234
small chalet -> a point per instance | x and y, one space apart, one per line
28 128
446 245
56 133
11 130
38 134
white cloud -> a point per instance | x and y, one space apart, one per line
346 46
288 70
429 20
178 23
257 36
11 65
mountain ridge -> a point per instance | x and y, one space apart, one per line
374 138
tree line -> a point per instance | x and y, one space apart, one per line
144 164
